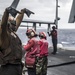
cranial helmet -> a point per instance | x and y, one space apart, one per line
30 32
42 34
53 27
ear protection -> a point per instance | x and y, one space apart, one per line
30 32
42 34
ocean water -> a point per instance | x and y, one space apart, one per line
66 37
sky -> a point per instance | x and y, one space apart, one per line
44 10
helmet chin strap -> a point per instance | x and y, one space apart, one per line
12 28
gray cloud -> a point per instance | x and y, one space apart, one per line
64 1
49 3
44 9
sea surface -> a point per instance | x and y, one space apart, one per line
66 37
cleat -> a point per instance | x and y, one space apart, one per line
13 11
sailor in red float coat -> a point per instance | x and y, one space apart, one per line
43 54
32 46
32 49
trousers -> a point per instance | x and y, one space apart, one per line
32 71
11 69
41 66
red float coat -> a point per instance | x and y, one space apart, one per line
43 47
32 47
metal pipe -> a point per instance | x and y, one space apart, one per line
56 14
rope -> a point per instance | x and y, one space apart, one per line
62 64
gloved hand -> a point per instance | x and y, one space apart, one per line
12 11
28 12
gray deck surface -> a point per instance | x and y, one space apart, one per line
63 63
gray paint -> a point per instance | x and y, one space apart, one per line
72 13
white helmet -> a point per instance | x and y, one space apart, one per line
31 33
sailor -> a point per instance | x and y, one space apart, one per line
41 66
10 43
32 51
53 34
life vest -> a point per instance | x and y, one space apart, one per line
34 50
13 54
43 47
54 34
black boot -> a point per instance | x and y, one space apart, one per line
53 53
28 12
12 11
